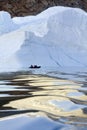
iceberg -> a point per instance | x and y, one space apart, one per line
57 37
6 23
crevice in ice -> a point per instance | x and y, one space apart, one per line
52 58
72 58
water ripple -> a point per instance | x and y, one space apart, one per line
60 99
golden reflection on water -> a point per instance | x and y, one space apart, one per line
54 97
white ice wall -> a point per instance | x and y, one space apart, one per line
55 37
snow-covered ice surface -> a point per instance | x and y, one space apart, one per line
6 23
56 37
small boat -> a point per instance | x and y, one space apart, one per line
35 67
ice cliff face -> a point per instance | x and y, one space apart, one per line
56 37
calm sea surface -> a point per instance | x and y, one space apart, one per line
60 95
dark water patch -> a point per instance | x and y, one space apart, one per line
10 112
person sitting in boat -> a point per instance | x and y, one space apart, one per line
34 66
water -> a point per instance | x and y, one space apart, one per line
60 96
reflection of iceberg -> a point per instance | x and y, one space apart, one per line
50 39
37 123
66 105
